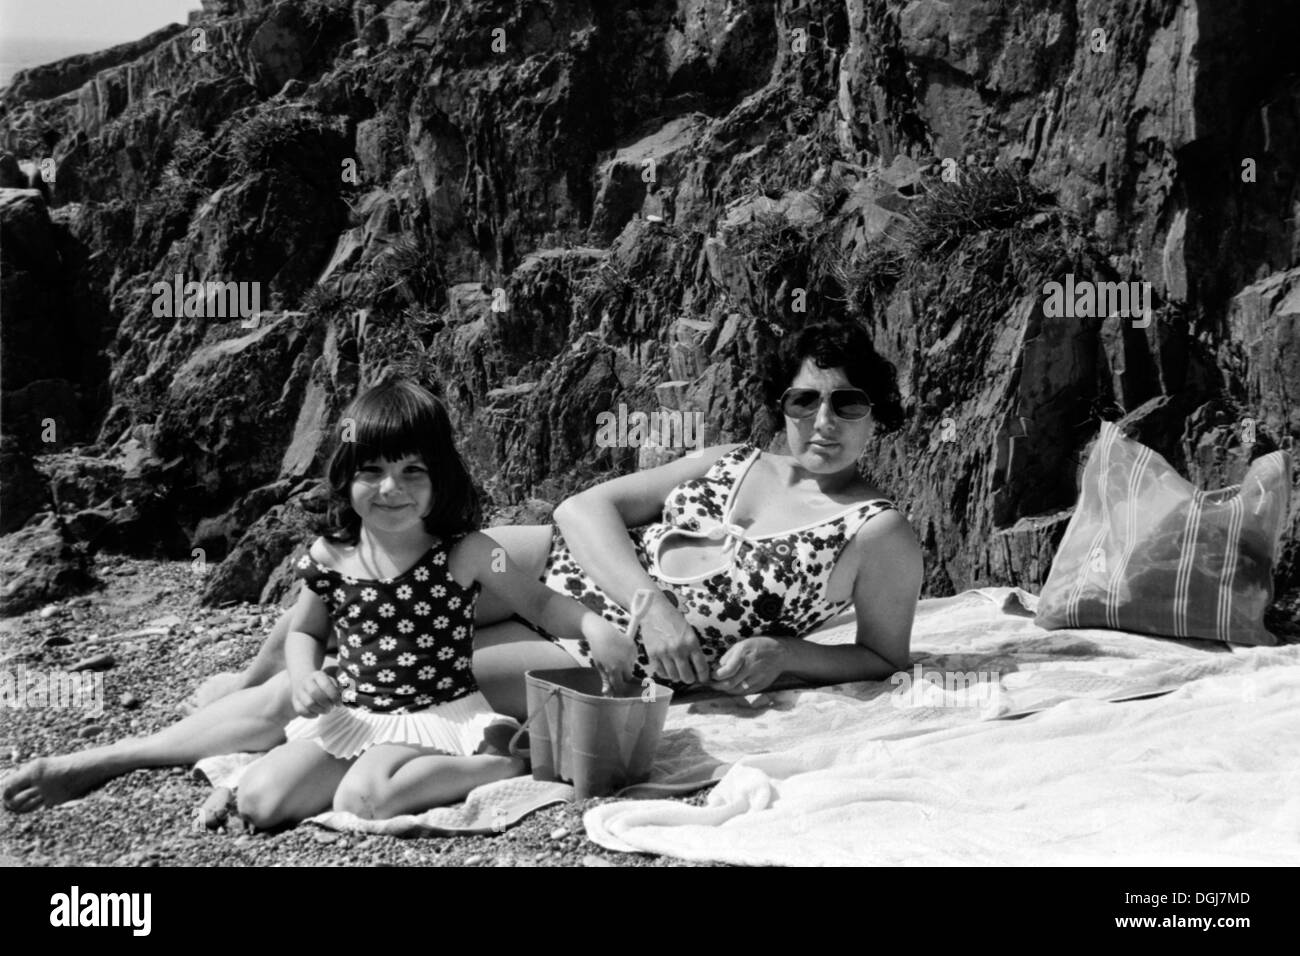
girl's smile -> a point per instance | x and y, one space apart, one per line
392 494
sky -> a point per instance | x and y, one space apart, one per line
90 19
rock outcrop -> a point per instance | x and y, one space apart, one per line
553 208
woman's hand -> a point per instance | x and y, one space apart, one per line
671 644
315 694
750 666
612 652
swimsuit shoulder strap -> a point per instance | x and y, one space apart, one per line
316 577
865 512
853 522
729 466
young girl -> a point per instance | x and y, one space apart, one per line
402 727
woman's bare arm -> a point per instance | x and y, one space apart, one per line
885 592
595 523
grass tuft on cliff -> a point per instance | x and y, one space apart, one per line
288 138
980 200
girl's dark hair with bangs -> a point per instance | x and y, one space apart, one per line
391 420
846 345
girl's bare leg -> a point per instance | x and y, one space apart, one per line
253 719
268 662
248 720
293 782
392 779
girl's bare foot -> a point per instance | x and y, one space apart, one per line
49 781
216 810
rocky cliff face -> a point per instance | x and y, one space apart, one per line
553 208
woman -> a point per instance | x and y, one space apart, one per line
752 550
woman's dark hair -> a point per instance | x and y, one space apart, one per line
391 420
843 345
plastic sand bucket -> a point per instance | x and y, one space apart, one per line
599 744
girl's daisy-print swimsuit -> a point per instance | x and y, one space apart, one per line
405 643
773 585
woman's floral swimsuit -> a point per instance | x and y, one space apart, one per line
772 584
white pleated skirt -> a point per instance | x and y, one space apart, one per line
455 727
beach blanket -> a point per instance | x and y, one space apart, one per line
1207 775
976 658
873 773
492 808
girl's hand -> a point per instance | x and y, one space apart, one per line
750 666
315 694
613 653
671 644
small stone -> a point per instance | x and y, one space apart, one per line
326 836
592 860
58 640
49 611
90 730
559 833
99 662
129 701
473 860
167 620
15 755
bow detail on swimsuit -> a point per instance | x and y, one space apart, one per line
732 534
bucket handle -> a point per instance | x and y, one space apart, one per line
515 749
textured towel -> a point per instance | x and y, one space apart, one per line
491 808
987 635
1209 774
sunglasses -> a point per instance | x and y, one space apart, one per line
850 404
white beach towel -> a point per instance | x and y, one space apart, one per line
987 634
1209 774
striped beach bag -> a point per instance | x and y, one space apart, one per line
1147 552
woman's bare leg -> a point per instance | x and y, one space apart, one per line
504 650
248 720
253 719
503 653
